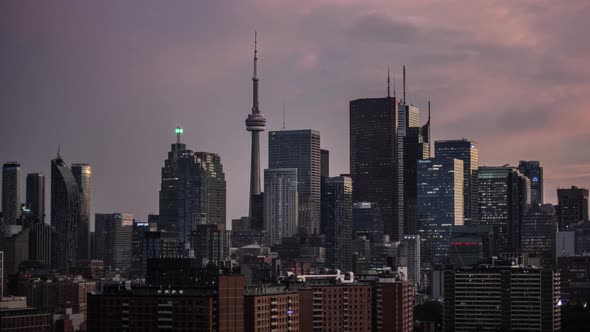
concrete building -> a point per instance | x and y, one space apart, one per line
502 298
271 308
16 316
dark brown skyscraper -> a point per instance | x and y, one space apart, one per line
373 157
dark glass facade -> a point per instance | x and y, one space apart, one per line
113 238
537 231
440 205
533 170
300 149
83 175
36 194
572 206
337 222
65 215
373 157
467 151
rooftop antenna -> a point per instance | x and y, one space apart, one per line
58 150
404 85
388 84
394 93
284 127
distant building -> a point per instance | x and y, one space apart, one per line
300 149
210 243
65 215
471 244
16 250
366 219
83 175
502 298
176 272
281 203
533 170
36 194
440 205
11 192
409 256
572 206
2 272
374 156
467 151
504 194
114 234
218 306
137 234
193 190
581 237
40 243
159 245
538 231
336 223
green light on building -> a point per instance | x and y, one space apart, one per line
178 130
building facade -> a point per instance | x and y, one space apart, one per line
268 308
337 222
440 205
65 215
281 203
538 231
11 192
467 151
36 194
113 235
83 175
300 149
373 157
532 169
210 243
572 206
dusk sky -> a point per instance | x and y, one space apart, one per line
110 80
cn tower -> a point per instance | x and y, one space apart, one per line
255 123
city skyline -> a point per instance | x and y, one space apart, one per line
117 112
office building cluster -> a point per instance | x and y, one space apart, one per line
413 221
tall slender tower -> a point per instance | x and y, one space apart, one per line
255 123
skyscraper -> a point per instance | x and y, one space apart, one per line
537 232
280 206
572 206
300 149
83 175
503 194
168 190
65 215
11 192
413 145
439 204
114 234
193 190
373 157
36 194
255 123
533 170
337 222
467 151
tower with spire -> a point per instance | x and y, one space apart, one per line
255 123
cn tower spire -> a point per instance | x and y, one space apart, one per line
255 123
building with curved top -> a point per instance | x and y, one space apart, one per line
65 215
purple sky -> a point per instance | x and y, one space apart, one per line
110 80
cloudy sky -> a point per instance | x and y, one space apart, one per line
109 81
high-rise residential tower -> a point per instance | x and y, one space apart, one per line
83 175
572 206
467 151
337 222
36 194
373 157
255 123
533 170
65 215
503 194
439 204
281 203
11 192
300 149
